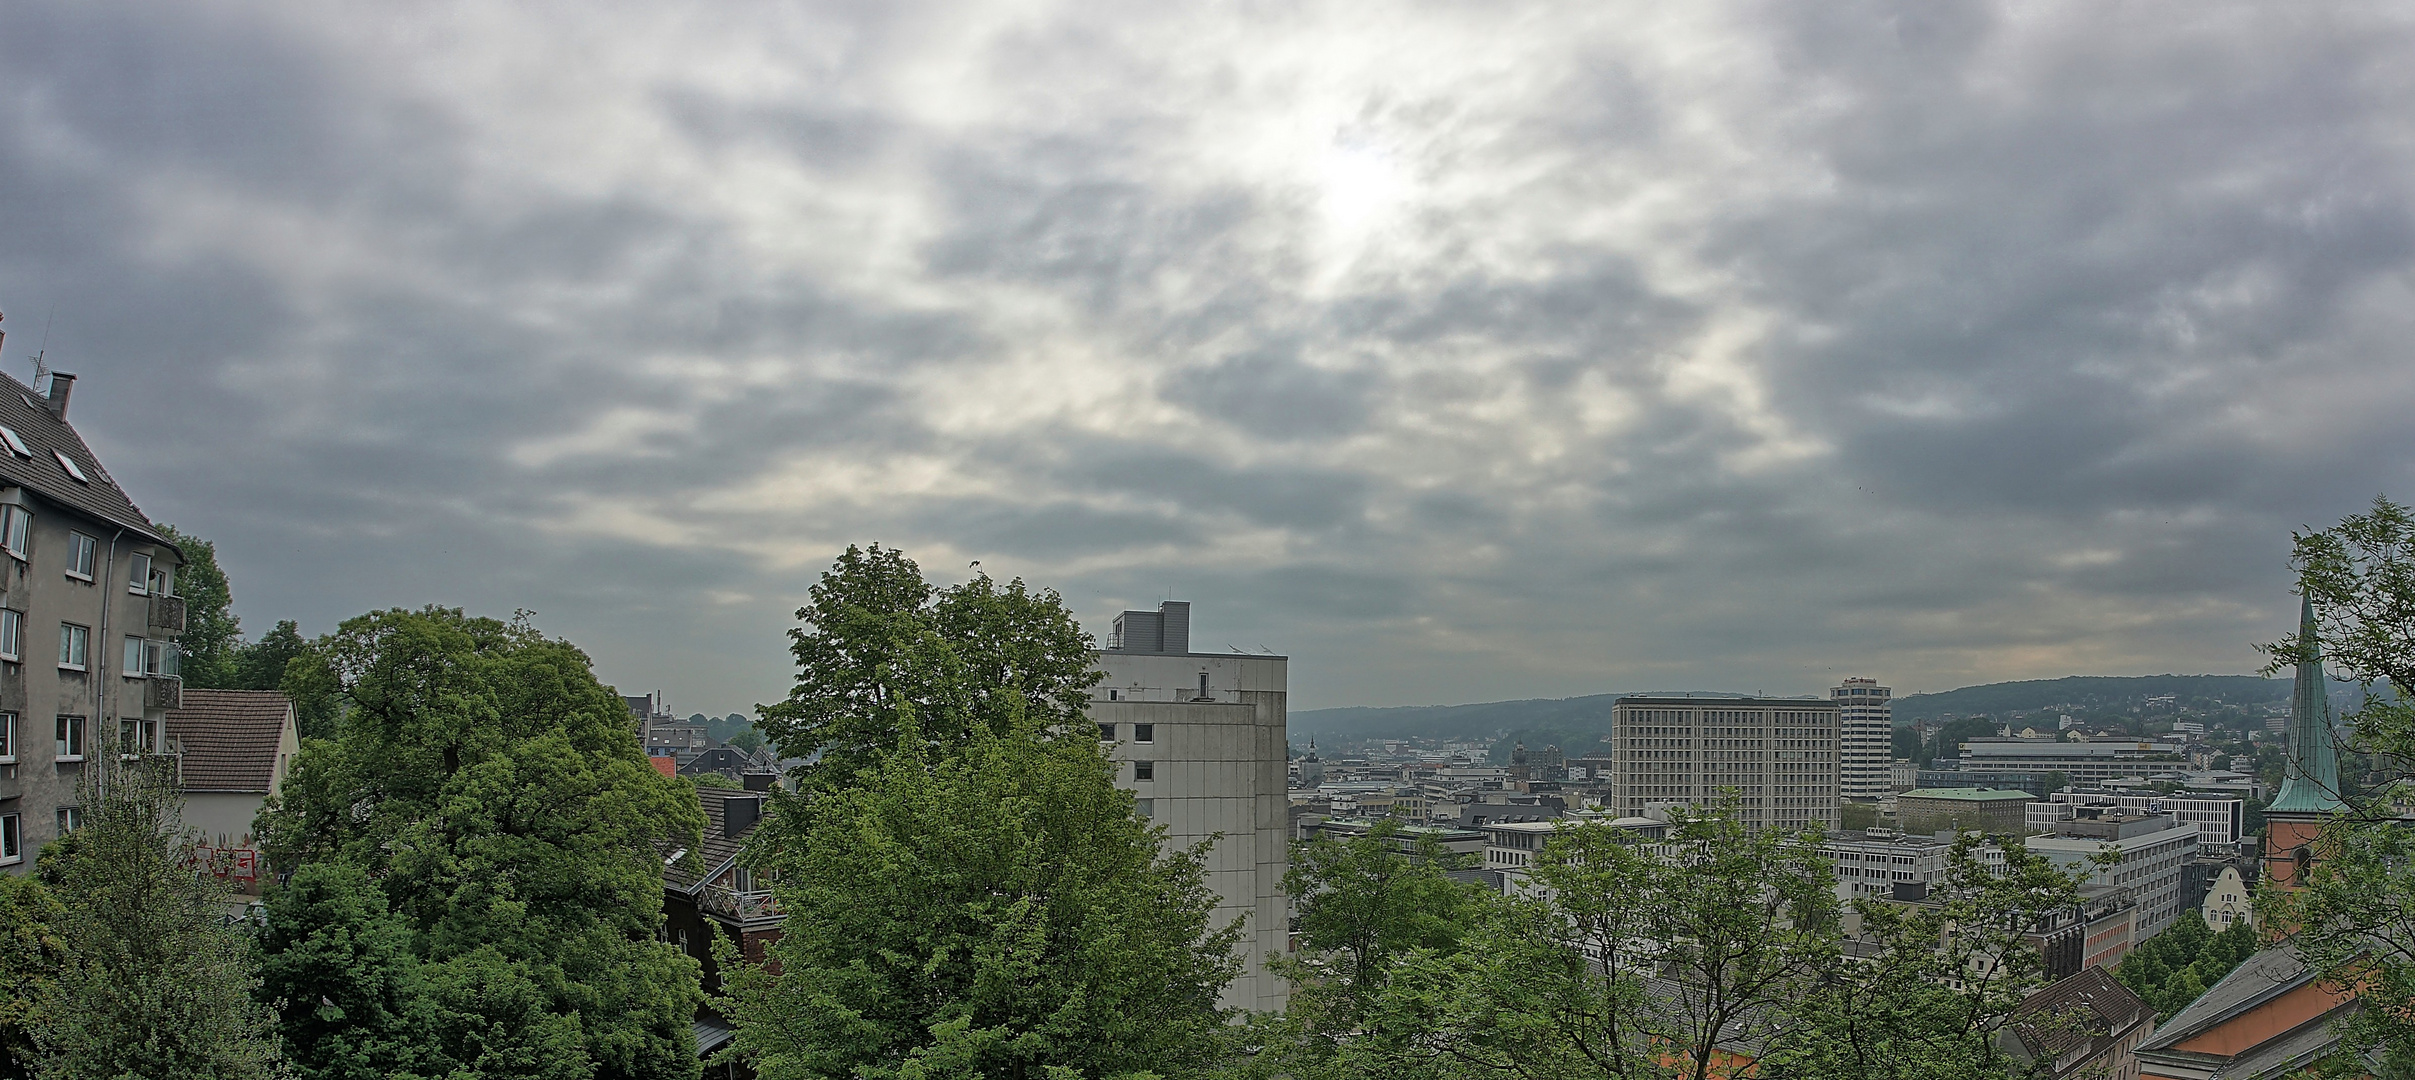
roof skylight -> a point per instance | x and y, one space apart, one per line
15 445
70 467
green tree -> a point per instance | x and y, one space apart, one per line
154 981
1366 906
261 664
748 740
213 635
31 952
989 909
337 966
1620 960
496 793
2355 910
876 638
1937 979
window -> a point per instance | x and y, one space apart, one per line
69 464
15 445
1144 733
1145 807
163 582
75 643
1106 733
1144 770
136 736
12 634
8 737
70 818
79 555
71 738
138 580
133 668
162 658
16 529
12 839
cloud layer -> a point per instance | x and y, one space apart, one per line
1459 351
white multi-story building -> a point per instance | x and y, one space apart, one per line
1777 754
1878 863
1865 738
2220 819
2081 762
2153 852
1199 739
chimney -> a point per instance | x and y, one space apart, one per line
739 814
61 385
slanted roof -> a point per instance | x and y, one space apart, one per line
230 738
693 870
45 433
2257 980
2088 1009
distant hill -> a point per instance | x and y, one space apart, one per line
1574 722
2091 694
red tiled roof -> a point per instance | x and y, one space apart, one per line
667 766
229 738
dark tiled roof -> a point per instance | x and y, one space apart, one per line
29 415
2088 1007
229 738
690 872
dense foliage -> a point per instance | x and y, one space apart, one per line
878 642
151 979
31 952
493 796
2175 967
996 910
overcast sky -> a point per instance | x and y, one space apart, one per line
1459 351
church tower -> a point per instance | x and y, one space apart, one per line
2310 785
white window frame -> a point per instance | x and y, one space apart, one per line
161 658
83 552
133 668
75 647
12 635
136 737
138 578
68 738
16 530
69 818
8 738
12 839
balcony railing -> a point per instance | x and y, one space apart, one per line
741 906
163 692
167 614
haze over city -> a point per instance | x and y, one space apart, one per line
1458 352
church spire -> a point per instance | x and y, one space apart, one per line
2311 780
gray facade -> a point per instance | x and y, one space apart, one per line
1200 741
1779 756
88 621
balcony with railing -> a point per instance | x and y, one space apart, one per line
740 906
163 692
167 615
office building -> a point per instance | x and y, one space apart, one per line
2081 763
1199 740
1778 755
1865 738
2152 856
1888 865
1933 810
2220 819
84 573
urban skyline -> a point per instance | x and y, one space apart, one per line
1458 357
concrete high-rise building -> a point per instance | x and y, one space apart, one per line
1200 740
1779 754
1865 738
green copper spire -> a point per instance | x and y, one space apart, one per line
2310 783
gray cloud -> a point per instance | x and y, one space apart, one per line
1741 346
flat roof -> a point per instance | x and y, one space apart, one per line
1717 700
1964 794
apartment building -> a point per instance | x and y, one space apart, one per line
85 572
1199 739
1779 755
1865 738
